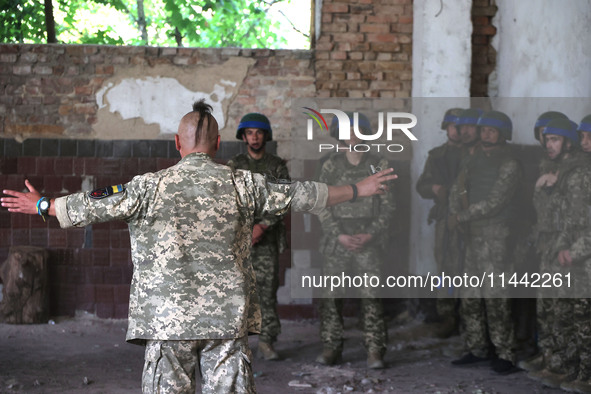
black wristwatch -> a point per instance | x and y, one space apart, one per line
43 206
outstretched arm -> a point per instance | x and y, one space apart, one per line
25 202
373 184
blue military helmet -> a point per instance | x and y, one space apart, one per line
364 124
469 117
499 121
257 121
546 117
451 116
585 124
564 127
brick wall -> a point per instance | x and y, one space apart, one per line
484 56
365 49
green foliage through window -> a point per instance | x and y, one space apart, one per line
205 23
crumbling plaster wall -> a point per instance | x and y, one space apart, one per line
441 68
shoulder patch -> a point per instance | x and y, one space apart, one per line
103 192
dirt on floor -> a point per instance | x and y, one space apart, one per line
89 355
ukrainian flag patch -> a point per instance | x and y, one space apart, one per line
103 192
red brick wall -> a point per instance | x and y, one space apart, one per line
365 49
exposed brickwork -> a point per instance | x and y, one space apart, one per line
365 49
484 56
50 90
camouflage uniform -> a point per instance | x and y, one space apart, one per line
371 216
569 201
264 255
544 234
489 182
441 168
190 227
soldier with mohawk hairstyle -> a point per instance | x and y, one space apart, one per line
192 298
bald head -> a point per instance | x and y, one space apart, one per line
198 131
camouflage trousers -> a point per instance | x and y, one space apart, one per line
265 262
224 365
582 329
486 312
367 262
447 257
557 323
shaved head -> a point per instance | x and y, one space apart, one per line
198 130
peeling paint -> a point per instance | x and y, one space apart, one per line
157 100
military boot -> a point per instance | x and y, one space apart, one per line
375 360
554 380
532 364
267 352
582 384
329 356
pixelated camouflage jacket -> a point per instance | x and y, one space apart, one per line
500 195
190 227
372 215
441 168
273 167
570 201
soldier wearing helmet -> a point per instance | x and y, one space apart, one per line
269 234
542 122
466 125
584 131
352 241
565 196
576 257
439 173
482 201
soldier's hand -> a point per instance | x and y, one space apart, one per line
374 184
349 242
564 258
22 202
547 180
362 239
258 230
440 192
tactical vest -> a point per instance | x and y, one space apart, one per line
483 173
362 208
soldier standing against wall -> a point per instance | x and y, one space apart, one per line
541 238
576 254
192 298
439 174
481 203
352 241
569 196
268 234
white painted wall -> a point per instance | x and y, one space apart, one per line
543 48
442 53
